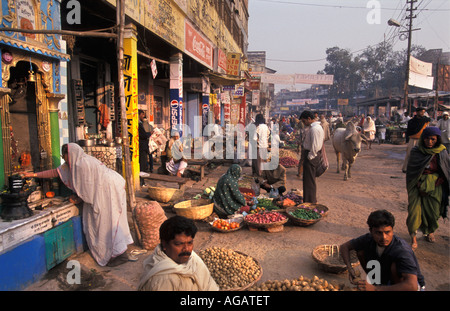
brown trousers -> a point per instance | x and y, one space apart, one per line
309 177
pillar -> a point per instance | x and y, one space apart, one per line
53 101
176 92
131 98
3 92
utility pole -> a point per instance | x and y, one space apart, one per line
408 55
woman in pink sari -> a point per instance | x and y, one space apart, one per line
102 190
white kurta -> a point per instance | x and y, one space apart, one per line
105 222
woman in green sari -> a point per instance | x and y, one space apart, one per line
227 197
427 182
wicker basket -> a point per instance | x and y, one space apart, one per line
164 195
194 209
323 210
251 283
329 260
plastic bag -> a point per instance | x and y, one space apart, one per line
273 193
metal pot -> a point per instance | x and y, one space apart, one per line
86 142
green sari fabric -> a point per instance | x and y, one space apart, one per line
426 200
227 197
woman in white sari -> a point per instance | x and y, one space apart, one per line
102 190
369 129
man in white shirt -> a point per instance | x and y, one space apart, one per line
311 149
444 125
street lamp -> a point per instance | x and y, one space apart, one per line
393 22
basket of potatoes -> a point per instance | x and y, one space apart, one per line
232 270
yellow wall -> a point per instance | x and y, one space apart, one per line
166 18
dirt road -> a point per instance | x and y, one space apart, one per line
377 183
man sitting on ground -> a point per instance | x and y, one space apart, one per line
174 266
399 269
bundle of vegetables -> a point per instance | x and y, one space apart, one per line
300 284
230 269
265 218
267 204
305 214
288 162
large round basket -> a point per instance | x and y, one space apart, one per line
321 209
164 195
269 225
251 283
194 209
329 259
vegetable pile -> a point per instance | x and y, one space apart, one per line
225 225
305 214
294 197
265 218
288 162
230 269
299 284
266 204
289 199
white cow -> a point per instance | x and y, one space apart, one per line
348 142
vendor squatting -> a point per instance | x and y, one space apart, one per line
228 301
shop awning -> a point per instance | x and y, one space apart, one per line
33 48
222 79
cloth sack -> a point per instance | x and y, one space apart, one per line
149 216
323 162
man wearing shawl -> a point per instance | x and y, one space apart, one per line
102 190
415 127
174 266
227 197
427 182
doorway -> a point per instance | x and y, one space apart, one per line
25 148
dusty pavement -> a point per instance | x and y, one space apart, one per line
377 183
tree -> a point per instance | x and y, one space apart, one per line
345 70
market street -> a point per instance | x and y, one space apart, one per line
377 183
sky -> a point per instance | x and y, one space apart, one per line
296 33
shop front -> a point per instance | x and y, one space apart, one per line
35 219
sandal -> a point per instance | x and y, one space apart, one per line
413 242
430 238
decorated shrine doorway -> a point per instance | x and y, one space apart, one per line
27 117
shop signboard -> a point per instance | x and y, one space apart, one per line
242 108
234 64
197 46
225 98
131 101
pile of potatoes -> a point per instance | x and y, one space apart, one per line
299 284
230 269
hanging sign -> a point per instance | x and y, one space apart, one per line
154 68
